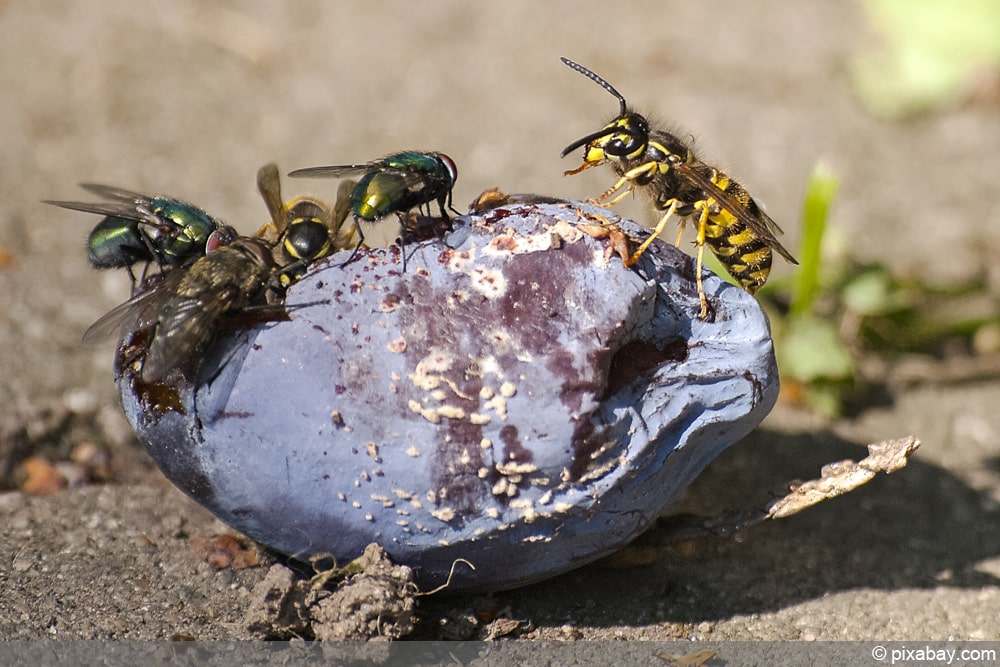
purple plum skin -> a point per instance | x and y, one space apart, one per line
522 401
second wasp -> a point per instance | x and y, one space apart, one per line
728 220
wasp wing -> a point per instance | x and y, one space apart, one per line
338 215
764 227
269 187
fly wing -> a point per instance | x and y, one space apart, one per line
139 312
116 193
112 209
121 203
334 171
184 324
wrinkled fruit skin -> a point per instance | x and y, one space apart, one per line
521 401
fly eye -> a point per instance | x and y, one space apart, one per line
222 236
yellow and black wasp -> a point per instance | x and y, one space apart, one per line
304 229
728 220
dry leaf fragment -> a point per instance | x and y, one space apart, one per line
835 480
617 240
839 478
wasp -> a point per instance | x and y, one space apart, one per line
728 220
304 229
146 228
184 310
396 183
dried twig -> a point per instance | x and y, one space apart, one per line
835 480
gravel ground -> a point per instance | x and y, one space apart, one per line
191 98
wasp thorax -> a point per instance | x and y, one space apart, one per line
307 239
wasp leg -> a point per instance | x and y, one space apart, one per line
680 232
621 195
629 177
269 232
702 225
660 226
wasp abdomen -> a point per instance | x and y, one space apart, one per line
746 256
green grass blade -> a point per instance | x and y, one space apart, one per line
820 191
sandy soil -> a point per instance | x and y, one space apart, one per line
190 98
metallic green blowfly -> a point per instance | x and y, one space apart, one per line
146 228
396 183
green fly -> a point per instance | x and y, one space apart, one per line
146 228
396 183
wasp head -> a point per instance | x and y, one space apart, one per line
625 137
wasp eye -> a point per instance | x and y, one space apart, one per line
630 138
637 133
623 145
618 146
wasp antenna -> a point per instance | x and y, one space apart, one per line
593 136
596 78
